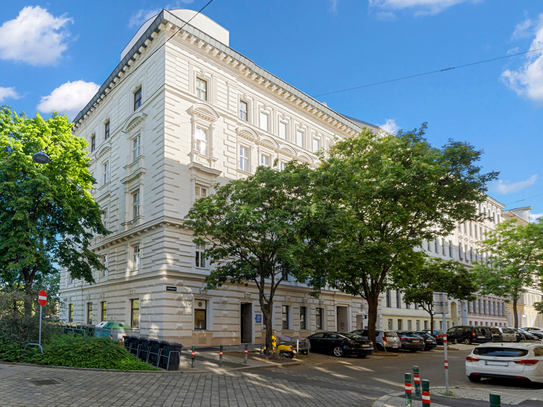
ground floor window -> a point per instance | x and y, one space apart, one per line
303 324
284 317
89 313
103 306
390 327
200 314
425 324
135 313
319 318
400 324
409 325
71 313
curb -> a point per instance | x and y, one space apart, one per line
381 401
215 370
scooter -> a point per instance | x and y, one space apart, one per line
284 351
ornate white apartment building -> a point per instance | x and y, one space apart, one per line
461 246
181 112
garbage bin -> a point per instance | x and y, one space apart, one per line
144 352
135 346
171 352
127 342
116 330
154 351
99 329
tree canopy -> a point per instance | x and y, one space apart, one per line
48 216
261 229
513 261
390 193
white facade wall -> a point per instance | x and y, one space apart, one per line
167 283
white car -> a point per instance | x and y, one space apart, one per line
506 361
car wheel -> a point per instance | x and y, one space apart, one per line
467 341
454 341
412 350
474 379
338 351
362 356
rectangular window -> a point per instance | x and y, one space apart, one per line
200 315
106 173
284 317
71 313
89 313
137 99
475 230
436 244
303 323
398 300
443 247
283 130
136 257
264 121
201 89
409 327
265 160
200 192
450 248
299 138
460 254
201 141
316 144
244 159
243 110
135 313
389 300
390 327
283 166
399 324
200 260
319 318
136 148
425 324
93 143
105 263
416 306
105 218
136 205
417 325
103 309
106 130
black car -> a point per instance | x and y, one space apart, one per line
429 341
411 341
469 334
436 333
340 344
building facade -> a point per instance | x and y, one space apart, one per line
180 113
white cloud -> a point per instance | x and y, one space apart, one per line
35 37
390 126
421 7
68 98
534 217
528 79
6 93
505 187
523 29
143 15
334 5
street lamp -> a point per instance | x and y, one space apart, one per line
41 158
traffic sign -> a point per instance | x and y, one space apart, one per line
42 297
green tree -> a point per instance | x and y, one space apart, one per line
436 275
513 261
390 193
259 230
47 213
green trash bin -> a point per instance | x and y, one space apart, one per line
116 330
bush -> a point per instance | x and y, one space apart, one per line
76 351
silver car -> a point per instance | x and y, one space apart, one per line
386 340
502 334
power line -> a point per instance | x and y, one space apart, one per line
520 200
429 73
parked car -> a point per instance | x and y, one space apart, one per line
386 340
503 334
533 329
506 361
529 336
411 341
469 334
429 341
438 334
340 344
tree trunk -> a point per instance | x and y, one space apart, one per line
515 312
28 298
431 322
266 308
373 303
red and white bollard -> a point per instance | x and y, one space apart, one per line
245 356
426 393
408 400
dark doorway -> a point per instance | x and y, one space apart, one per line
246 323
341 319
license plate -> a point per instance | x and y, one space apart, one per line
481 336
415 341
365 346
395 346
495 363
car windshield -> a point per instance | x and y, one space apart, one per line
500 352
481 330
352 336
390 334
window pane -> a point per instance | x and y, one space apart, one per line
201 89
137 99
316 144
201 141
135 314
299 138
243 110
264 121
283 130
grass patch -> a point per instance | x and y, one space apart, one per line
75 351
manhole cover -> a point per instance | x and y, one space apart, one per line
43 382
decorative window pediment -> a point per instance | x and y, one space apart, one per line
104 148
205 112
269 143
247 133
289 152
305 158
134 120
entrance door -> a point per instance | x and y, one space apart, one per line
246 313
341 319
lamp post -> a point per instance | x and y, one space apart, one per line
41 158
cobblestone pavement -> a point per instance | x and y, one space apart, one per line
39 386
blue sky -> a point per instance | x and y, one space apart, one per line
55 54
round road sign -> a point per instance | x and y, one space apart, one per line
42 298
